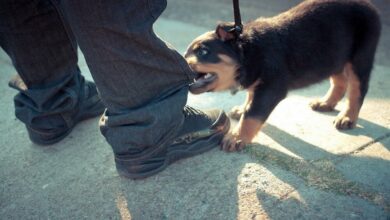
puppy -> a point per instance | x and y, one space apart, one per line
313 41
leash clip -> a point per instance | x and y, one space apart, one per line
238 29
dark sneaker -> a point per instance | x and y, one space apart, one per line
89 106
200 132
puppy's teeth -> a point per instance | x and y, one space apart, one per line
208 75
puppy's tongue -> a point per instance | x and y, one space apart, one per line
203 83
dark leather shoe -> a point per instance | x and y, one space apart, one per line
200 132
89 106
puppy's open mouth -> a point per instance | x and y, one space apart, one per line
203 83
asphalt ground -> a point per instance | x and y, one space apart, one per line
300 166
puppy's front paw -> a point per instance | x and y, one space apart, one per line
236 112
321 106
344 122
233 142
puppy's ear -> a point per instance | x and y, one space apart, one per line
225 31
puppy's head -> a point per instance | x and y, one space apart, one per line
213 57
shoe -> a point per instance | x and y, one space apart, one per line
89 106
200 132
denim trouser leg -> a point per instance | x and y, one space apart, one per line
142 81
129 63
44 54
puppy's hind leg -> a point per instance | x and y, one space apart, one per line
359 70
338 86
347 118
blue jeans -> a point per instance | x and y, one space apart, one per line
141 80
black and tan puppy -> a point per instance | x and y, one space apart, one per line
304 45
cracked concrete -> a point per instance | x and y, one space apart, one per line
300 166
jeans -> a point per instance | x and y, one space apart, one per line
141 80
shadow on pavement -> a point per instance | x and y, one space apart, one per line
365 128
322 174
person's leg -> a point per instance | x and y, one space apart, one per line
129 63
144 84
53 95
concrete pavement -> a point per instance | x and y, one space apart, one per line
300 167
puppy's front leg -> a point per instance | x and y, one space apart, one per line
265 98
238 111
242 134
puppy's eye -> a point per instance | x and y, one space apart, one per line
202 52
